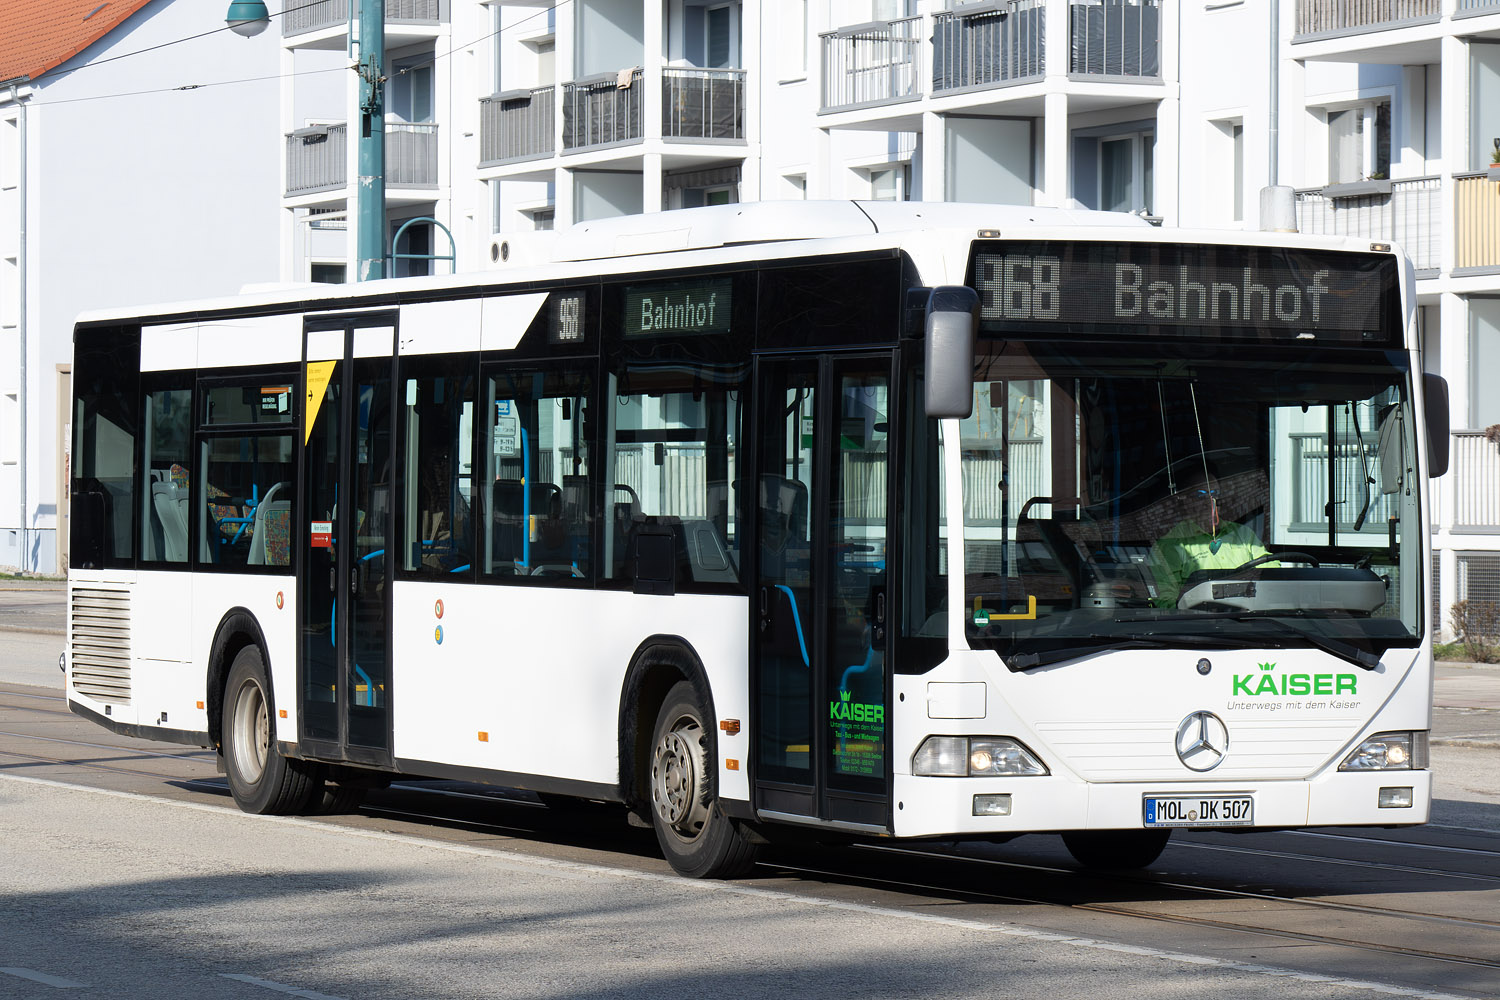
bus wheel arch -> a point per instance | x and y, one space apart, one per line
658 663
237 629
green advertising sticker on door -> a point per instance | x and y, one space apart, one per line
858 735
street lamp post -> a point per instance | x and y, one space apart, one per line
249 18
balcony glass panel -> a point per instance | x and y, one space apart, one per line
1410 215
1477 223
986 48
1321 16
517 126
1116 38
600 110
703 103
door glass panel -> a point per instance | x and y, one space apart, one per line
1115 157
371 512
785 588
857 585
320 717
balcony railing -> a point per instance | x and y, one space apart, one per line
1476 222
600 110
518 125
1316 17
988 48
1475 471
1411 215
411 154
1351 465
1115 38
872 63
304 17
1478 6
703 104
317 158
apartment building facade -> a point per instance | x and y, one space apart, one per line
513 117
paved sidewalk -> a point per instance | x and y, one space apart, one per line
1466 704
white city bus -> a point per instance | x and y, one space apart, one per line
853 518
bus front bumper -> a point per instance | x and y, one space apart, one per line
978 807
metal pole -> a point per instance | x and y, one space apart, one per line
369 227
21 326
1273 131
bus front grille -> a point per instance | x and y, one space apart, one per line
99 643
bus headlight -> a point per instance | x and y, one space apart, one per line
974 757
1389 752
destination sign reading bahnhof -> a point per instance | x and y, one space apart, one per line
1176 289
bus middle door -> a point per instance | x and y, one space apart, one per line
348 464
820 641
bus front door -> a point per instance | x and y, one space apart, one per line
820 676
345 593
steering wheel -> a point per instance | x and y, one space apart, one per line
1288 556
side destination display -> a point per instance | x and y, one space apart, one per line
1176 289
674 308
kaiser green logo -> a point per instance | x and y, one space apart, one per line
845 710
1269 683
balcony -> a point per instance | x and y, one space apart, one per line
985 45
870 64
602 110
1340 17
703 105
321 14
317 158
1476 222
988 48
517 125
1407 212
1475 471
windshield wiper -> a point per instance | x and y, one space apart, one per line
1362 658
1109 643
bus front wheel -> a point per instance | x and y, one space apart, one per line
262 780
699 841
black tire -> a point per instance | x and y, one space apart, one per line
1116 849
698 840
262 780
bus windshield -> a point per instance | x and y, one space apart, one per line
1194 498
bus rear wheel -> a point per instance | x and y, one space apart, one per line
1116 849
698 840
262 780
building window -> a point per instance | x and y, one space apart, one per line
408 95
796 187
1484 362
892 183
542 218
1126 180
1359 142
328 274
417 241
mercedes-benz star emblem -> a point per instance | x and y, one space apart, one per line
1202 741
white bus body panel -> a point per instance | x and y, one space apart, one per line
540 671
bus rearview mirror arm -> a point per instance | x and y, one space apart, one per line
952 322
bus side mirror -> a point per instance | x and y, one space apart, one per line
952 319
1435 401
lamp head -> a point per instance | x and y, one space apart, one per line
247 18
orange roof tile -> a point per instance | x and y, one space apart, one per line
40 35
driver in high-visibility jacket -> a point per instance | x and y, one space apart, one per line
1202 540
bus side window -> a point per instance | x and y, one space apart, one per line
537 464
168 423
438 416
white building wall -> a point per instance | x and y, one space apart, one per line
138 191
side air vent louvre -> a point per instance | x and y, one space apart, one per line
99 643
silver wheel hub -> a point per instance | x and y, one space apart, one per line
677 774
252 733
